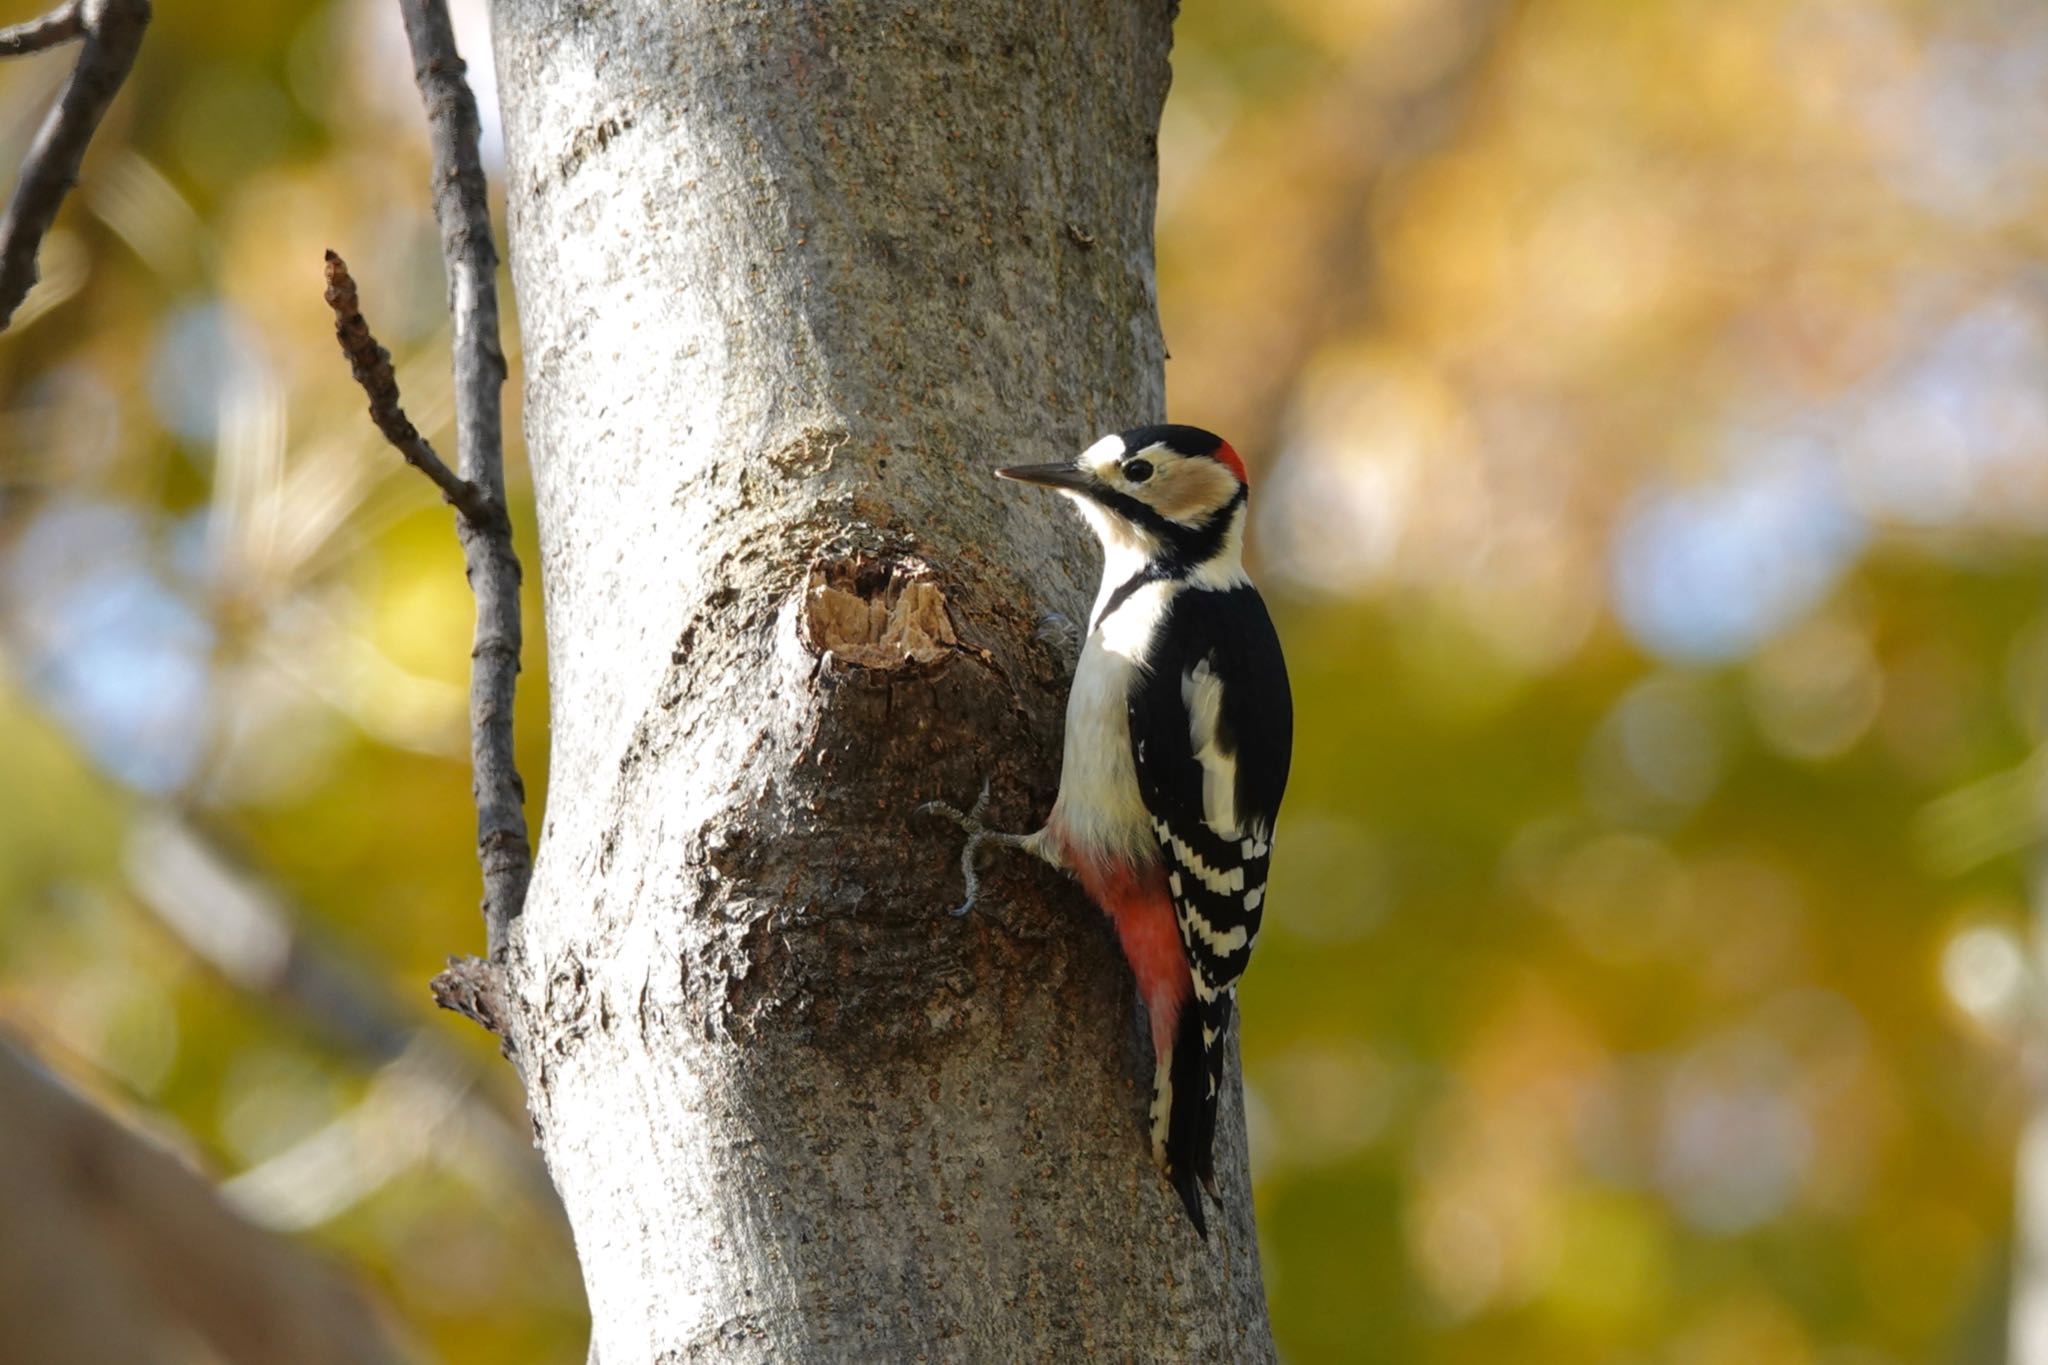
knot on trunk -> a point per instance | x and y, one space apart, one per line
876 612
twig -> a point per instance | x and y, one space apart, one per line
60 25
477 484
112 34
462 208
371 365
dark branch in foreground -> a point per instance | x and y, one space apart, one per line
116 1247
371 365
112 34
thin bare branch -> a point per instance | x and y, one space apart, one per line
462 208
60 25
112 33
371 365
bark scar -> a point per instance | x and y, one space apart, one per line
877 613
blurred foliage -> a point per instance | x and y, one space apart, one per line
1646 407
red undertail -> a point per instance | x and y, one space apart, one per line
1182 1120
1135 899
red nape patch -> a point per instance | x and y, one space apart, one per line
1231 462
1135 899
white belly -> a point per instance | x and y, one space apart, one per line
1100 809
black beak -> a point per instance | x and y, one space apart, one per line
1049 475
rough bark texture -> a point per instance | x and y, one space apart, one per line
792 279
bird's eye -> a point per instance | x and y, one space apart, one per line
1137 471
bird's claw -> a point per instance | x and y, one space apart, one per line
969 819
1062 634
977 835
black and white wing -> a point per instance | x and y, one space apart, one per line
1212 729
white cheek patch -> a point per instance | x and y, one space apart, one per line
1226 570
1189 491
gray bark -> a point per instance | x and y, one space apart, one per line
791 280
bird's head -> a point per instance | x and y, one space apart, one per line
1174 492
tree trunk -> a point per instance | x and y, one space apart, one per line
791 280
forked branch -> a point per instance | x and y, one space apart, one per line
111 34
476 486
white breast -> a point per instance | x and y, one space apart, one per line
1100 809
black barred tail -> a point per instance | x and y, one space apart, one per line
1188 1095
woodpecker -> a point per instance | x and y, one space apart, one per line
1179 731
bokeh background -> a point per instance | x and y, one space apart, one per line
1648 409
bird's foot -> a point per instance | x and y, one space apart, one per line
977 835
1062 634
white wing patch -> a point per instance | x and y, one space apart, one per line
1201 691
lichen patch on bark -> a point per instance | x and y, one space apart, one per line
876 613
